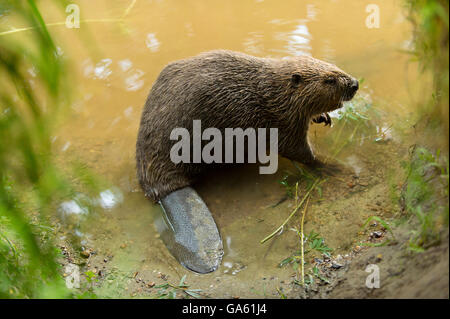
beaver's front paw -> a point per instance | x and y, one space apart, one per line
322 118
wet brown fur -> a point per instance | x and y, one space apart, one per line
229 89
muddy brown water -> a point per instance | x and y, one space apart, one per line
111 88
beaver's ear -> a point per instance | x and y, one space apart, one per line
296 79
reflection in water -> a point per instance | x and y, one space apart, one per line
230 265
125 64
253 44
233 268
107 200
189 29
384 134
110 198
72 207
354 162
297 41
230 252
115 121
102 70
327 52
65 147
311 12
152 42
134 82
128 112
72 214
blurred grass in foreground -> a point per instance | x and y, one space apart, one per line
30 62
430 20
425 193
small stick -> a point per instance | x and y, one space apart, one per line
128 9
15 30
292 214
301 240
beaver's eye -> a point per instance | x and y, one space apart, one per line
330 81
296 79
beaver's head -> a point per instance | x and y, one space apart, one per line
320 86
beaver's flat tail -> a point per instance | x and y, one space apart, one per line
189 231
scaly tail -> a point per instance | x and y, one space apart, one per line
189 231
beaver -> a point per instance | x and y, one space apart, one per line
230 89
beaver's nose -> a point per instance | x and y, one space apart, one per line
354 85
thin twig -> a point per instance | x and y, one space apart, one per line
125 13
128 9
292 214
16 30
302 240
